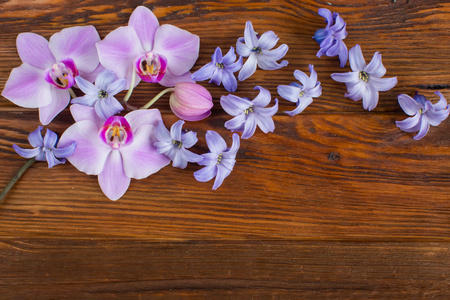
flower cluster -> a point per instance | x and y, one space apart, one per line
117 147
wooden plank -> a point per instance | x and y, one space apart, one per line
418 57
119 269
316 177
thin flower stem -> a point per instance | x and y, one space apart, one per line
150 103
130 90
16 177
72 93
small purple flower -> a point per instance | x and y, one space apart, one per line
220 70
174 143
301 94
330 38
249 114
116 150
101 94
45 148
163 54
257 49
365 81
49 69
423 113
219 162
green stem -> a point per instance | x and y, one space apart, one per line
72 93
16 177
150 103
130 90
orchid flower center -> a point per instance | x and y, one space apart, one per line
363 76
62 74
219 158
257 49
151 67
248 110
102 94
177 144
116 132
220 65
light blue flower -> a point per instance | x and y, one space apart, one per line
423 113
258 51
220 161
45 148
301 94
220 70
174 144
330 38
365 81
250 114
101 94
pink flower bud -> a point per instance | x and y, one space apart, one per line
191 101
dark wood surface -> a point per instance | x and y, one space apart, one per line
336 203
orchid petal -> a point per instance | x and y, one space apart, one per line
113 181
170 80
33 49
78 43
81 112
140 117
60 100
180 47
90 153
145 23
118 51
140 158
27 87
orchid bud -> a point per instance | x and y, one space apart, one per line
191 101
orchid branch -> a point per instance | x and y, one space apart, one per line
150 103
16 177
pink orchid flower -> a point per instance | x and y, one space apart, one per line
163 54
116 150
50 67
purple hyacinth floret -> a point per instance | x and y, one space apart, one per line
365 81
250 114
174 144
301 94
219 162
101 94
423 113
258 50
45 148
220 69
330 38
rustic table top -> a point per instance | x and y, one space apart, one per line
337 202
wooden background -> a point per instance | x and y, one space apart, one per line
336 203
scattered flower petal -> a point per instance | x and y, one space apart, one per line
220 161
423 113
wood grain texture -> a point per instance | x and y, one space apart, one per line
336 203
